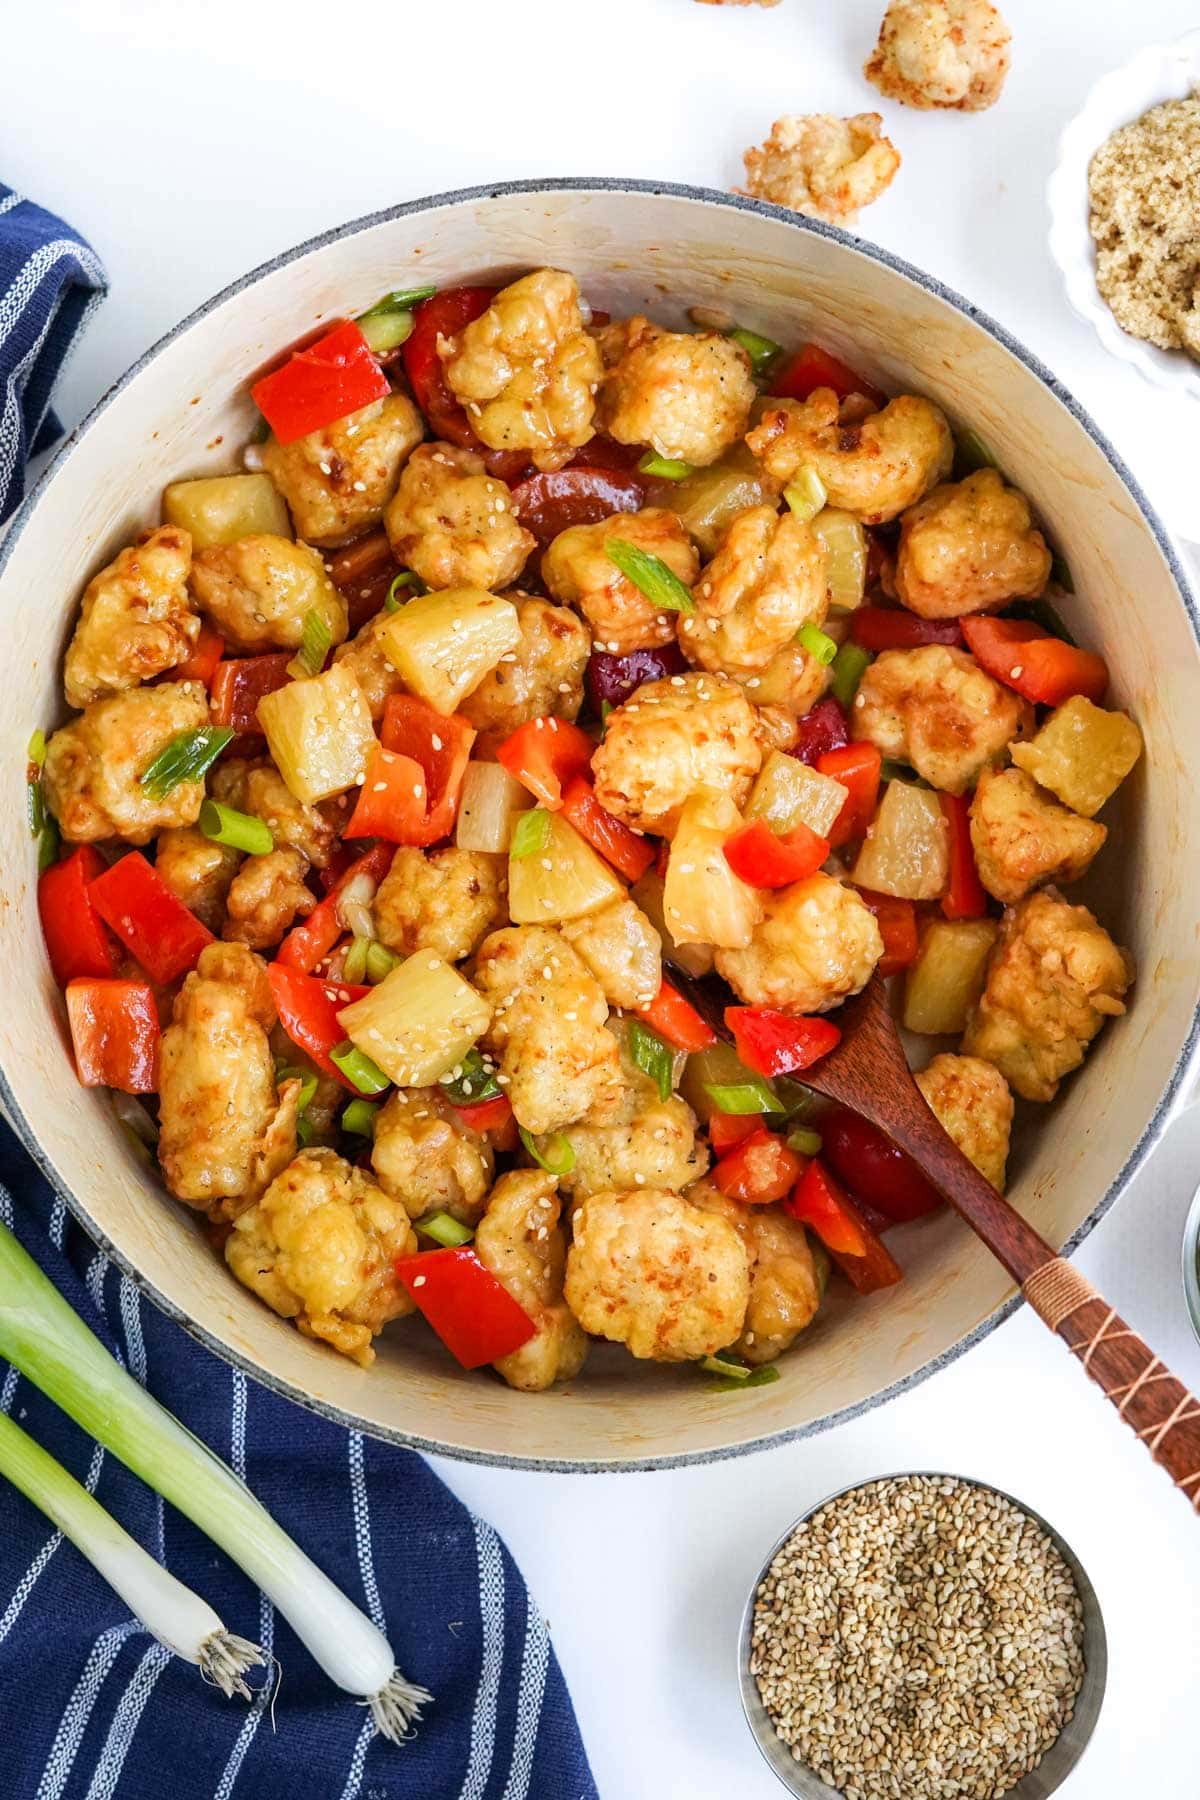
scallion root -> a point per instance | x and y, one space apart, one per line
225 1659
396 1708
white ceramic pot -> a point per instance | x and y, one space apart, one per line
183 410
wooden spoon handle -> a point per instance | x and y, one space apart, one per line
1165 1416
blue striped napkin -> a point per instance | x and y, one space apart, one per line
50 284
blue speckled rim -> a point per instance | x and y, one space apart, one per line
732 203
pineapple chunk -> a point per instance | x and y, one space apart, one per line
708 500
1082 754
442 645
565 879
647 893
704 902
947 978
788 793
218 509
420 1021
845 545
905 851
487 811
319 733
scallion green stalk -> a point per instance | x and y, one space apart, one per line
743 1097
650 576
743 1379
359 1069
354 968
359 1118
308 1084
171 1612
315 639
558 1155
531 833
49 1343
470 1082
380 961
804 1141
666 468
405 586
819 645
972 453
385 331
239 830
730 1366
444 1229
806 495
762 351
400 300
188 757
654 1058
849 666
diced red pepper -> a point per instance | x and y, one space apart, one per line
201 662
887 628
441 744
545 755
1043 669
312 940
964 897
675 1019
320 384
821 729
443 316
474 1315
624 849
362 572
874 1168
485 1115
308 1011
758 856
858 768
76 940
778 1043
153 923
115 1034
897 922
559 498
241 682
812 368
391 800
760 1170
726 1130
859 1252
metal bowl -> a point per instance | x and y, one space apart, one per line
1191 1263
1067 1748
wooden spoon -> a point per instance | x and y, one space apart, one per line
869 1073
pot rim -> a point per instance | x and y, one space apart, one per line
1151 1132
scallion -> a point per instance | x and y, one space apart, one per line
354 965
49 1343
380 961
666 468
306 1078
401 300
849 666
972 453
531 833
762 351
359 1118
804 1141
557 1157
385 331
1061 576
806 495
1041 614
405 586
188 757
898 771
796 1099
470 1082
755 1378
315 639
819 645
650 576
730 1366
358 1068
305 1132
743 1097
36 750
239 830
35 807
48 844
444 1229
648 1053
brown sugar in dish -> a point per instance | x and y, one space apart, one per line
1144 190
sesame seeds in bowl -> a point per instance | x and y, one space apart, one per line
922 1637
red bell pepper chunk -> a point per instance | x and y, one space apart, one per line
727 1130
474 1315
675 1019
391 800
858 1251
757 856
630 854
485 1115
1042 669
114 1033
76 940
441 744
812 368
241 682
965 897
308 1010
822 728
760 1170
545 755
201 662
778 1043
858 768
876 1170
897 922
320 384
153 923
441 317
308 943
553 501
885 628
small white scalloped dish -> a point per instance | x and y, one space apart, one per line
1160 72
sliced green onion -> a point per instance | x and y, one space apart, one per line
315 640
36 751
972 453
898 771
471 1082
804 1141
307 1079
35 807
241 831
405 586
358 1068
400 300
354 967
760 1377
650 576
1041 614
667 468
172 1613
188 757
305 1132
606 706
730 1366
261 432
48 845
654 1058
531 833
41 1336
359 1118
1061 576
849 666
796 1099
444 1229
385 331
380 961
558 1158
820 646
762 351
806 495
743 1097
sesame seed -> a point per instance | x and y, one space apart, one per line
419 1280
324 468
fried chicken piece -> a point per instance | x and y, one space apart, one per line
968 547
936 709
136 619
1023 838
521 1240
93 771
670 738
874 468
577 569
686 394
453 524
971 1099
824 167
941 53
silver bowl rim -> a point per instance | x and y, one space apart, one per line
1191 1263
1095 1680
1189 1051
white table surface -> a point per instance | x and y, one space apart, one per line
191 143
